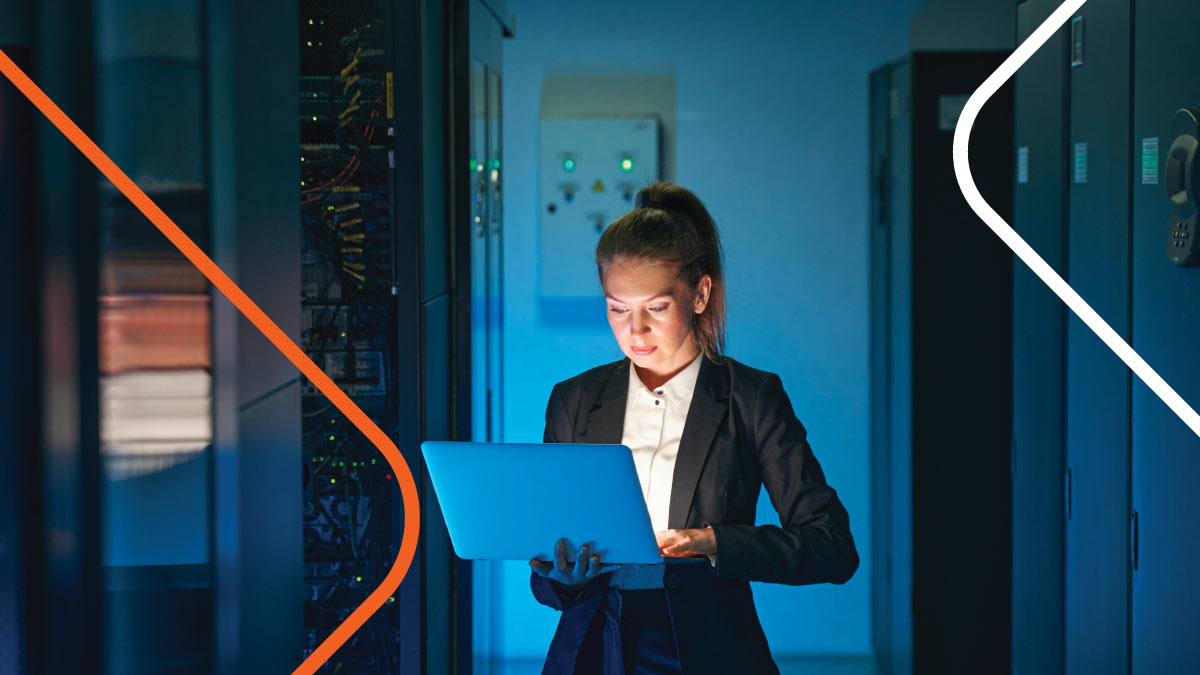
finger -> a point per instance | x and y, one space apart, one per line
664 537
605 568
593 567
581 562
542 567
560 556
679 548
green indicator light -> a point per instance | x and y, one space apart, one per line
310 22
358 579
392 599
372 461
568 164
626 164
310 43
331 437
473 163
360 287
332 480
495 164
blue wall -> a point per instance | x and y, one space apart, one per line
772 134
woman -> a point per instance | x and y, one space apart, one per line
706 432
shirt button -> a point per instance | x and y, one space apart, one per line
659 392
657 402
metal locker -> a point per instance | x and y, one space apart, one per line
941 395
1166 453
1097 382
1039 216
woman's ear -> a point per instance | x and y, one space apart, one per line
702 292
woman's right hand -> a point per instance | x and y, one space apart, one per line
573 576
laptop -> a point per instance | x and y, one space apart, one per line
513 501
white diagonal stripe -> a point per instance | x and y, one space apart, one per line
962 169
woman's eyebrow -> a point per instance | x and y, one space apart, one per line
668 293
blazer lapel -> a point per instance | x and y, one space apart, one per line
606 419
710 401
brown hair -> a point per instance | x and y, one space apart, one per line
669 225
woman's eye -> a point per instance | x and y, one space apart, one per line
660 308
617 310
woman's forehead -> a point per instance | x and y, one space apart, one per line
626 280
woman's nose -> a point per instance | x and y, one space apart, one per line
638 325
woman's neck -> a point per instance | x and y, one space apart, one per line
654 380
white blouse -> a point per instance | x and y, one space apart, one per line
653 427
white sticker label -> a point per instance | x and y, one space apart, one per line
1150 161
1080 162
949 109
1023 164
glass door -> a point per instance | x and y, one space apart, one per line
154 347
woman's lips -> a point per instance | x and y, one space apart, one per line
643 351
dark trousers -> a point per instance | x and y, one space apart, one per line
647 635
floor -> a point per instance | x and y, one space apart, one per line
831 665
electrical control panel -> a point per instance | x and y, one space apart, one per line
589 170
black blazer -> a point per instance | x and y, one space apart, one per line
740 434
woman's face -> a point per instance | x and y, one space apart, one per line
651 312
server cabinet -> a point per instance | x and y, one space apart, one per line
946 318
478 170
1039 217
18 344
1097 385
1166 453
889 648
380 285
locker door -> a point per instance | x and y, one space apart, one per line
901 372
1097 574
480 410
1166 454
1039 216
495 263
880 231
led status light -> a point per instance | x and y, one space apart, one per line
568 164
627 164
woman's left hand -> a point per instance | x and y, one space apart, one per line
684 543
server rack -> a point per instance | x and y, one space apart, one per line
945 303
1039 320
1097 384
238 129
1165 453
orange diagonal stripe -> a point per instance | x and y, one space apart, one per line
408 489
